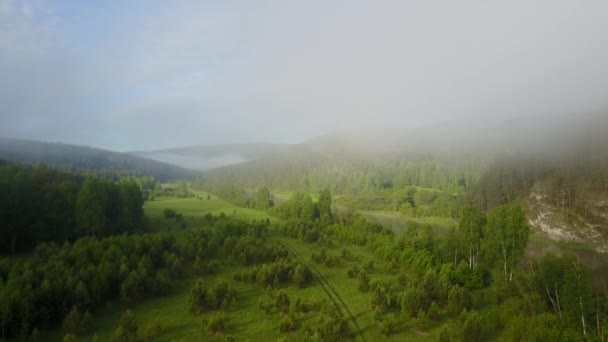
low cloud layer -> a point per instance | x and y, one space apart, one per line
126 75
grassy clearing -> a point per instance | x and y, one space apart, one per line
194 209
197 207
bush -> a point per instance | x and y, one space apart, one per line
287 324
422 321
217 324
444 335
363 281
458 299
127 328
434 312
471 330
69 338
76 323
330 325
266 305
169 213
353 271
153 330
203 298
388 325
413 300
282 302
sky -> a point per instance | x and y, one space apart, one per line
143 75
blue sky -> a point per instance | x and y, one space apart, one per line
128 75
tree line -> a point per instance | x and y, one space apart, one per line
41 204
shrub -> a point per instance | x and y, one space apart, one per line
75 323
458 299
388 325
363 281
265 305
434 312
153 330
422 321
69 338
471 330
127 328
282 302
444 335
217 323
413 300
169 213
203 298
287 324
353 271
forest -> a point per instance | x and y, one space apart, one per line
186 171
90 241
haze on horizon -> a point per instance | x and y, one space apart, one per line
148 75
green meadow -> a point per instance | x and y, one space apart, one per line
246 321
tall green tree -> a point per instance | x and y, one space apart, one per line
508 233
91 208
263 199
308 208
132 206
471 225
127 328
325 203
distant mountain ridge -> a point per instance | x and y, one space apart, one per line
87 158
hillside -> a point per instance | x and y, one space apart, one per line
87 158
204 157
486 165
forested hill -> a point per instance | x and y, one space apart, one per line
204 157
87 158
446 157
559 167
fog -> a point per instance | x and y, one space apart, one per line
143 76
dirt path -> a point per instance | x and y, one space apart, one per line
330 291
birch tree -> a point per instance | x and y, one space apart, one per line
471 226
508 233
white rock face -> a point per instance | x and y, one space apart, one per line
548 219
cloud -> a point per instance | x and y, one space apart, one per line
175 73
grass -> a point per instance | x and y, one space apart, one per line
194 209
249 323
359 302
197 207
246 322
